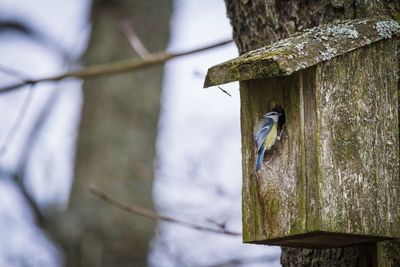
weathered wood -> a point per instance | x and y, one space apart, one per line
357 140
280 182
334 181
302 50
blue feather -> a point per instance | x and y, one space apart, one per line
260 157
263 128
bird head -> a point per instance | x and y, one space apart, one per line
273 115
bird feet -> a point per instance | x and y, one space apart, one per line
278 138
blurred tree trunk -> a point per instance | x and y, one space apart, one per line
116 146
257 23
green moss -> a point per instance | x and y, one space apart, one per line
266 55
234 71
245 226
302 186
255 207
272 211
266 70
250 231
275 207
253 68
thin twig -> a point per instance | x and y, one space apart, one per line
224 91
136 43
21 113
153 215
12 72
115 67
17 123
30 142
220 225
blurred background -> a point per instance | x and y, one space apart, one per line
152 138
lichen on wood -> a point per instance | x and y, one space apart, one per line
303 50
358 177
280 181
334 180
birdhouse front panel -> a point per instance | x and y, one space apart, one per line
281 180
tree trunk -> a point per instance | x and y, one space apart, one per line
258 23
116 145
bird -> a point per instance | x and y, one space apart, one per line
265 134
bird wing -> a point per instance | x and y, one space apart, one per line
261 130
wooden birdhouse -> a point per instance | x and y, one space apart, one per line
333 179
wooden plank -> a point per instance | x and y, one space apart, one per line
303 50
357 138
273 197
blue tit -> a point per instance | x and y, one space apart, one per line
264 134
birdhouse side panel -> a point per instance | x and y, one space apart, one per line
357 143
274 196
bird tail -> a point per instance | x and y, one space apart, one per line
260 157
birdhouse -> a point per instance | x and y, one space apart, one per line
333 178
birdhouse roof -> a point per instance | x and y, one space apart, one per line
303 50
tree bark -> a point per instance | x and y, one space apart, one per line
257 23
116 143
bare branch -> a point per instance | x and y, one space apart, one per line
136 43
115 67
220 225
153 215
